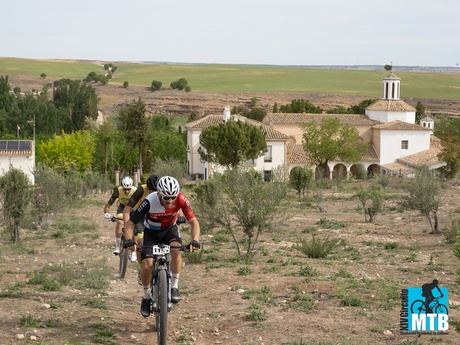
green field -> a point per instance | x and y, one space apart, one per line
249 78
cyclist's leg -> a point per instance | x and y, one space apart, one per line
146 272
118 230
174 239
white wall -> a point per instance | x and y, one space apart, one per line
198 167
193 143
278 154
390 144
388 116
24 163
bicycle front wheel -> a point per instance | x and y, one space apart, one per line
441 309
123 261
161 316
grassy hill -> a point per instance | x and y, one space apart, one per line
249 78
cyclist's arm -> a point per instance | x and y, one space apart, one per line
139 214
439 290
113 197
195 229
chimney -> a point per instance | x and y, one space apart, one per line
227 113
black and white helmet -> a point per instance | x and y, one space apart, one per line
127 182
168 186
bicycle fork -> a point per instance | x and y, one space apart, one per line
154 291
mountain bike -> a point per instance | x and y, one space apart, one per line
160 292
418 306
124 252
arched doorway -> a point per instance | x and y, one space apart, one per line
339 172
322 172
373 170
358 171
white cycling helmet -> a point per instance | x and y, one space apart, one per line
127 182
168 187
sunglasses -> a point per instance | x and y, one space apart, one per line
168 198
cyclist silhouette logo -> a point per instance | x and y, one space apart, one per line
424 310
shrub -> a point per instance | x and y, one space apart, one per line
156 85
330 223
256 313
453 232
125 84
300 178
316 247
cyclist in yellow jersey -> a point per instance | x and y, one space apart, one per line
122 193
133 203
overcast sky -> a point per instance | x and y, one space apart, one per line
282 32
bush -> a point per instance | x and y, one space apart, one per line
180 84
125 84
156 85
316 247
453 232
300 178
256 313
330 223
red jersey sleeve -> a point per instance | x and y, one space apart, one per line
184 205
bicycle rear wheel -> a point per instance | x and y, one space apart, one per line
161 316
124 253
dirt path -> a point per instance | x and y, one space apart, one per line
60 286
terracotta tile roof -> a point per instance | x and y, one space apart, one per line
295 154
428 157
398 168
392 76
400 126
214 120
15 147
390 105
298 118
371 155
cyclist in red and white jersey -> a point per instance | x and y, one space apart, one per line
159 210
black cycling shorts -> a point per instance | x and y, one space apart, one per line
155 237
120 208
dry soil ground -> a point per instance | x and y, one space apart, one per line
59 285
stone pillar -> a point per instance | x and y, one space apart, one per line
348 171
117 177
137 175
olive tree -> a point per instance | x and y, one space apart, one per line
424 196
240 202
15 197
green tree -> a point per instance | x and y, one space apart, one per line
371 201
125 84
332 140
448 130
15 195
241 203
68 152
79 99
232 142
133 124
179 84
419 112
43 75
300 106
275 108
106 135
424 196
156 85
300 178
361 107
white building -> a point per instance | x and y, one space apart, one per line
396 145
19 154
274 157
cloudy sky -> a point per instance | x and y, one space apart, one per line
282 32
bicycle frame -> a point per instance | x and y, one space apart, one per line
161 258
